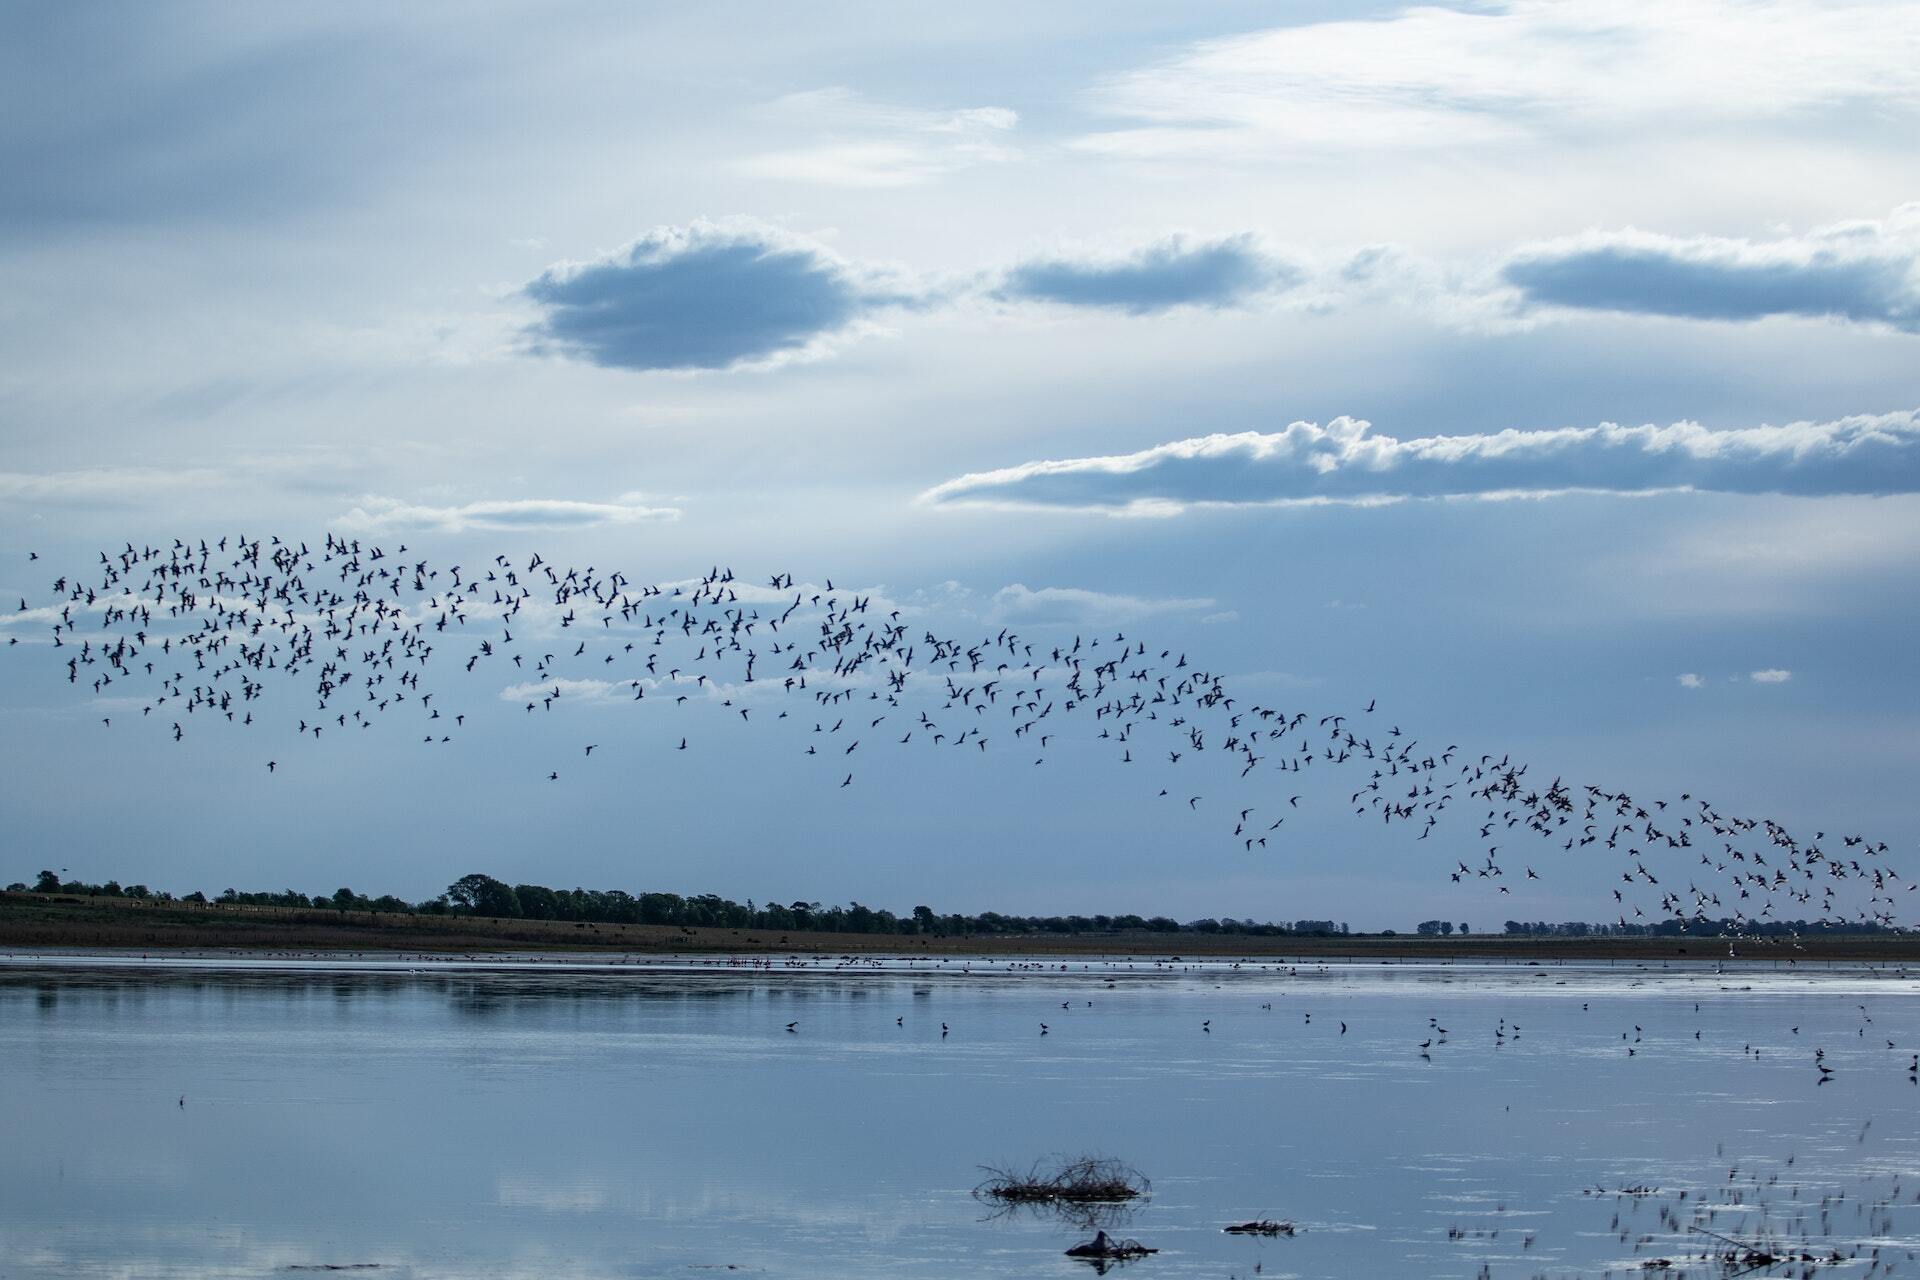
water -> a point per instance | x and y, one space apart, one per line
432 1120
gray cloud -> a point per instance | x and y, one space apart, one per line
1347 462
721 295
705 296
1865 272
1175 272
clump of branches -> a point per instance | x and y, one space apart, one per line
1080 1180
1261 1227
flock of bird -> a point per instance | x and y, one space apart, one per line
196 631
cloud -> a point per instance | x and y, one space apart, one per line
712 295
574 691
1347 462
1022 604
1429 76
1691 680
374 514
104 484
739 293
1174 272
1865 272
856 142
1772 675
301 468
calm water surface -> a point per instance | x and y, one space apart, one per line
433 1120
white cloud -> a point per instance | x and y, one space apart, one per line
572 691
1436 77
103 484
377 514
1347 462
1691 680
1020 603
1772 675
857 142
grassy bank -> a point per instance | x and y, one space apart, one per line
90 923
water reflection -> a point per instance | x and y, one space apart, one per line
447 1121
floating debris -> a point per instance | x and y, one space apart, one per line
1083 1180
1105 1248
1261 1227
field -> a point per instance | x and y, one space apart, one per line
62 922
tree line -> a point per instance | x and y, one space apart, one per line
483 895
477 894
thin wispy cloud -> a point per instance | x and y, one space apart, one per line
854 141
712 295
374 514
104 484
1691 680
1347 461
1865 272
309 467
1430 77
1029 605
1772 675
1178 271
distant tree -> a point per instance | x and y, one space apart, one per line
482 895
47 883
537 902
1462 927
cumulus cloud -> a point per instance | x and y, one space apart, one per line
1431 76
712 295
1866 272
1021 603
1692 680
1772 675
739 293
373 514
1174 272
854 141
1346 461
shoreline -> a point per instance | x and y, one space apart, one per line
50 924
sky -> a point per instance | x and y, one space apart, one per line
1547 372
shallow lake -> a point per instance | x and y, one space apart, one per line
427 1119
